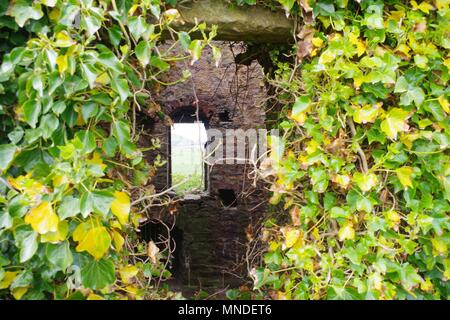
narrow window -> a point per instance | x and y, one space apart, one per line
187 144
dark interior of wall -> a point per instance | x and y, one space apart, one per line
227 197
156 231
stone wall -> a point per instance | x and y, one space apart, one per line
214 236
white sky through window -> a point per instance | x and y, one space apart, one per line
187 152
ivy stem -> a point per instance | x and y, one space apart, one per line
351 124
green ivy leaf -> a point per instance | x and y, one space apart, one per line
185 40
364 204
59 255
409 276
195 48
90 74
59 107
89 110
301 104
410 93
137 26
22 12
96 201
115 35
15 135
143 52
32 110
97 275
91 23
121 87
7 152
28 244
87 139
49 123
121 132
69 207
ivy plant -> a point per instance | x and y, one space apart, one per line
360 176
73 75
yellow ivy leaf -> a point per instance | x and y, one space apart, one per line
134 292
312 146
342 179
300 118
393 219
118 240
447 64
360 44
368 113
97 160
19 292
42 218
441 4
395 122
58 235
444 104
115 224
316 234
326 57
63 40
124 49
120 207
62 63
93 296
80 119
317 42
136 219
408 139
103 79
30 187
397 15
81 230
447 269
8 279
404 175
439 246
127 273
291 236
423 6
426 285
376 280
54 15
59 180
403 48
96 241
365 181
359 79
346 232
360 48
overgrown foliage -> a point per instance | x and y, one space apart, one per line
362 166
73 75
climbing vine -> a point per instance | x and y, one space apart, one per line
361 171
73 75
360 175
